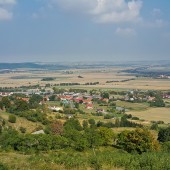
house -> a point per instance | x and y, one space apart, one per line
100 110
68 93
89 106
166 96
69 116
120 108
4 94
49 91
46 98
56 109
96 97
78 99
33 91
65 97
87 101
131 99
151 98
38 132
105 100
23 99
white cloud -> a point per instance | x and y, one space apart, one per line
121 12
128 32
158 23
105 11
156 12
5 14
75 5
7 2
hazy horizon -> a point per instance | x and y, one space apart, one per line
84 30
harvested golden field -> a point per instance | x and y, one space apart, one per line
146 83
153 114
92 75
101 75
132 106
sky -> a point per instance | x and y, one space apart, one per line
84 30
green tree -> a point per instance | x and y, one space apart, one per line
0 129
158 102
80 142
35 100
93 137
77 105
6 102
117 122
21 105
1 105
52 98
107 135
154 126
105 95
139 140
164 134
92 122
73 124
85 124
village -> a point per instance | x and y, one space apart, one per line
92 101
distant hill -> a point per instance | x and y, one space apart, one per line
19 65
32 66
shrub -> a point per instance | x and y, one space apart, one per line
135 118
166 147
109 116
22 129
91 121
12 119
154 126
3 167
164 134
139 140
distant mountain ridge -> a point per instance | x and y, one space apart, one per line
19 65
32 66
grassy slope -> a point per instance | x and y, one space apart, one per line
18 161
21 122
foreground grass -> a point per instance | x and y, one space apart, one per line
102 159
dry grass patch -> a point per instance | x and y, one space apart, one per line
21 122
153 114
132 106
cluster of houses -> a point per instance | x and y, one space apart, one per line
83 98
166 96
164 76
47 91
5 94
67 98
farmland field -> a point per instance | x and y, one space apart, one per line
118 79
153 114
132 106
